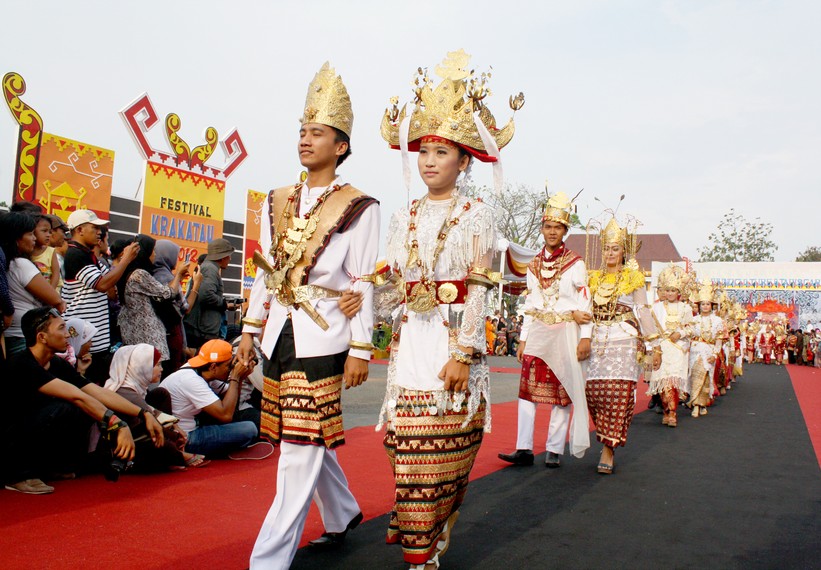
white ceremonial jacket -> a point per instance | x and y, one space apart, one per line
556 344
347 257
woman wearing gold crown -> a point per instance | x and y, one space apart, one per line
705 345
438 380
673 316
622 323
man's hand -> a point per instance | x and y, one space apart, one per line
241 370
245 350
130 253
520 350
355 372
350 302
455 375
711 359
581 317
154 429
583 350
125 444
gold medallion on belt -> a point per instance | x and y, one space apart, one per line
424 296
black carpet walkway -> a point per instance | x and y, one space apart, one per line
738 488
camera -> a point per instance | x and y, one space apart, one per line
116 468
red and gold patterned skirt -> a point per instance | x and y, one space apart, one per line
611 403
431 457
539 384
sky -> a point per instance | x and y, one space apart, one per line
688 108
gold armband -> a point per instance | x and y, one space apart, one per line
361 345
378 279
461 357
253 322
483 276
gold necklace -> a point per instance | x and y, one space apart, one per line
422 297
288 245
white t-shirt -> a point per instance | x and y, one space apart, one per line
21 272
190 393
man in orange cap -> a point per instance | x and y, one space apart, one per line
192 394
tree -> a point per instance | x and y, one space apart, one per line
737 239
518 212
812 253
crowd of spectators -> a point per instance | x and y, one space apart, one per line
110 363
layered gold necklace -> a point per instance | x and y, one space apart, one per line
288 245
423 296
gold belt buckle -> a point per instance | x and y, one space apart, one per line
421 299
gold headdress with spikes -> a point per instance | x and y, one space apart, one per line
673 277
559 209
614 233
328 102
447 111
705 292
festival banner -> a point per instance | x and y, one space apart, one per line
253 215
58 173
183 197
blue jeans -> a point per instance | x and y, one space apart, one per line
221 439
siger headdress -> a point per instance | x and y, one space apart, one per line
453 111
328 102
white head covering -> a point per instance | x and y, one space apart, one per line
132 367
80 332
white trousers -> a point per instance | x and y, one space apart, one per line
305 472
556 432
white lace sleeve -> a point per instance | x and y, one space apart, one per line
472 331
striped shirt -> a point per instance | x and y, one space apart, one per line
83 301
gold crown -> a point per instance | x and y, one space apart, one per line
447 111
614 233
705 293
673 277
327 101
559 209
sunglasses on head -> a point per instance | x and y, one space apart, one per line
45 318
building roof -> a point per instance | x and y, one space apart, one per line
654 247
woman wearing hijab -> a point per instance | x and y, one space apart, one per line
133 369
139 322
166 256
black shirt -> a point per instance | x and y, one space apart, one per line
24 378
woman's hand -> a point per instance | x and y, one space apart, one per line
675 337
183 269
350 302
656 359
711 359
83 362
455 375
196 277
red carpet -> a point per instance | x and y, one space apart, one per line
205 517
806 381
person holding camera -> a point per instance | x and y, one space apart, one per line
214 433
46 431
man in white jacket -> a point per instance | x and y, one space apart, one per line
554 340
321 238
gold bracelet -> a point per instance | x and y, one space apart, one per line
361 345
252 322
